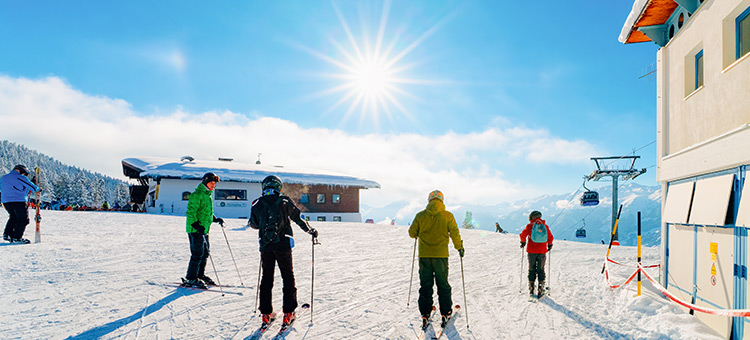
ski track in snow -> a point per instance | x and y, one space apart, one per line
87 281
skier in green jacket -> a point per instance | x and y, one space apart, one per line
200 215
433 227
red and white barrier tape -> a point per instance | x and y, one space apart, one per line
624 265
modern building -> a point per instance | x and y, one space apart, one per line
703 138
164 186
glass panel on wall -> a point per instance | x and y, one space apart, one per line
230 195
699 69
336 198
321 198
304 198
743 33
337 218
321 218
185 195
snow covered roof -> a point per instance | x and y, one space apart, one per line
645 13
152 167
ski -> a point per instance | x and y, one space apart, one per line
286 328
38 217
176 285
222 286
264 327
426 324
447 322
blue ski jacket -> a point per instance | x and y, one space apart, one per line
15 187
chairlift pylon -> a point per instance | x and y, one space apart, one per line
589 197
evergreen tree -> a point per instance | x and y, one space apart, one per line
468 221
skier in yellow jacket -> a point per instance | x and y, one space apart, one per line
433 227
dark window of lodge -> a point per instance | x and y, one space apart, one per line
337 218
743 33
321 198
699 69
336 198
230 195
322 218
304 198
185 195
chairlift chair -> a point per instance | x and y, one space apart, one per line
589 197
581 232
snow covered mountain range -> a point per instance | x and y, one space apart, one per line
563 213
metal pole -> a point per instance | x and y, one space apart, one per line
615 214
230 253
463 283
257 288
312 281
639 254
612 239
411 276
520 287
216 274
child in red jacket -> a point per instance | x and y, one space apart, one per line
540 242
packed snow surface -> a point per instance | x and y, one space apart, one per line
87 280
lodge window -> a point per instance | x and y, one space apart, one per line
321 198
322 218
230 195
185 195
699 69
743 33
337 218
304 198
336 198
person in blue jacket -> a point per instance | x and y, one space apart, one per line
15 187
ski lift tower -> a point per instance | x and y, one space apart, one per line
615 167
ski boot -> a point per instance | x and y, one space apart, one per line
425 321
288 318
194 283
267 319
207 280
541 289
19 240
446 318
6 237
531 289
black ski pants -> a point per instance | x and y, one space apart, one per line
536 267
434 271
18 218
268 259
199 251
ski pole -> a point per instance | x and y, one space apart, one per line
216 274
520 281
614 230
312 280
411 276
257 288
463 283
230 253
549 269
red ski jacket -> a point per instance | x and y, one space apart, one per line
534 247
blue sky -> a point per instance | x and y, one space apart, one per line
490 100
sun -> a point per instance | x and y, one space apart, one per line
371 73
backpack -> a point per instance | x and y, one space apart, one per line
539 233
272 230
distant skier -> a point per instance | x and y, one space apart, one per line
271 214
433 226
540 242
15 187
199 216
497 228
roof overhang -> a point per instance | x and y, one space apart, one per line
646 21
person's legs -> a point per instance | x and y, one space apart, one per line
443 287
268 264
18 219
284 258
204 257
426 280
196 255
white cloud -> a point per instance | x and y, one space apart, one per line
96 133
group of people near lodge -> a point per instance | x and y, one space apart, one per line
272 214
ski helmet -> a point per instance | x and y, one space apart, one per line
22 169
435 194
534 215
209 177
272 182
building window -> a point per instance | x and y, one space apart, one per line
321 198
337 218
699 69
671 31
743 33
304 198
306 218
322 218
681 20
230 195
336 198
185 195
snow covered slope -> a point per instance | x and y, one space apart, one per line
87 281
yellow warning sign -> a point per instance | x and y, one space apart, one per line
714 248
713 269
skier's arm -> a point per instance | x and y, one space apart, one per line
294 214
192 209
253 220
526 232
453 231
550 238
27 183
414 228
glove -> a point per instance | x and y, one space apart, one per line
313 232
549 247
523 244
461 252
219 220
198 227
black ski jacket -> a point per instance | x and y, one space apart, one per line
289 212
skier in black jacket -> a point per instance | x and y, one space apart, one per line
270 215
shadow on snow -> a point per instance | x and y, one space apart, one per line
598 329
